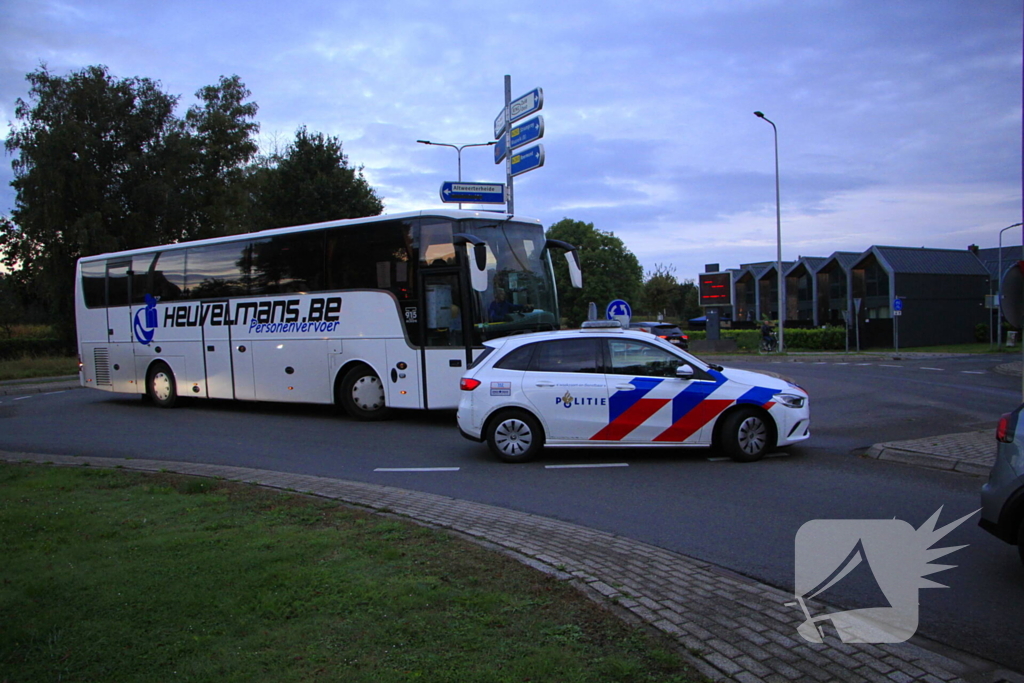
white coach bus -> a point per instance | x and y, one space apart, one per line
371 314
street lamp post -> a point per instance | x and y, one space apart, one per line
999 287
458 149
778 230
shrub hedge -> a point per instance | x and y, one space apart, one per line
820 339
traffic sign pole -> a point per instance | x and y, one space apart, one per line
510 204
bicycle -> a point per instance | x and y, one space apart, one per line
769 345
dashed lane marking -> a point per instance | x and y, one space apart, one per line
417 469
935 369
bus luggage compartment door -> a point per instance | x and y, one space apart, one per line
403 380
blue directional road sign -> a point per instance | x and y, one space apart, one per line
897 304
500 149
526 132
527 160
619 310
523 134
525 105
473 193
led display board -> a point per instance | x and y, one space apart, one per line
715 289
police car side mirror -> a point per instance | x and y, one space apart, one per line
684 372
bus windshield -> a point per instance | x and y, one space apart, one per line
520 295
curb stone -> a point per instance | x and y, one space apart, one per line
969 453
731 627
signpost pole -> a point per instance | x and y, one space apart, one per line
510 208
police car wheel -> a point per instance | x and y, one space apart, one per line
362 394
515 436
160 386
745 436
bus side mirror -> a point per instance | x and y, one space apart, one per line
477 259
572 258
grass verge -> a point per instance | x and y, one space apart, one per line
31 367
111 575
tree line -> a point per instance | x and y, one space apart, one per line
106 164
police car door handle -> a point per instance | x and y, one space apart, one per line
545 384
625 387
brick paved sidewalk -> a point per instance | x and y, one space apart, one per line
732 627
970 452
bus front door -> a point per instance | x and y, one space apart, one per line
119 327
446 349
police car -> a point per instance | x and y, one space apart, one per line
602 386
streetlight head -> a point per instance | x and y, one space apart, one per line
425 142
759 114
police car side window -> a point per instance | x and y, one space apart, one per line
518 359
636 358
566 355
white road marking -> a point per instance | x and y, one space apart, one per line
579 467
973 372
890 366
865 363
936 369
22 398
417 469
842 363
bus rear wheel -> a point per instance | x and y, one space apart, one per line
362 394
160 385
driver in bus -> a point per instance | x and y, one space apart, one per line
500 308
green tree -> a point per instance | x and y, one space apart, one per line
661 291
103 164
311 181
220 142
688 303
88 175
610 270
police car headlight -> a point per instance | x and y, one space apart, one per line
790 400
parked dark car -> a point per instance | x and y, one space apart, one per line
1002 497
667 331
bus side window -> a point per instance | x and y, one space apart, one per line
217 270
141 275
167 280
94 284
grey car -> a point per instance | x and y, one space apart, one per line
1002 498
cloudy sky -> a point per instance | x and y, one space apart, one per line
899 121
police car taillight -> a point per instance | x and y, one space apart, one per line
1005 428
468 384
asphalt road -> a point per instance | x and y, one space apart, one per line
743 517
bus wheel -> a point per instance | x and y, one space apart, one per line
362 394
160 385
